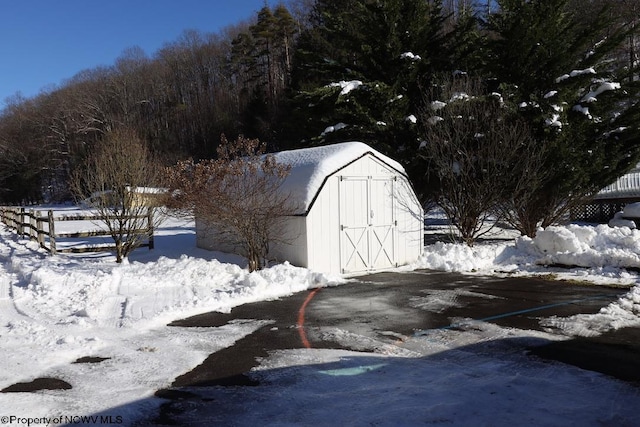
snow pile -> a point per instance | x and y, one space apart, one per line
585 246
619 220
147 295
437 105
554 121
461 258
620 314
604 252
604 87
627 307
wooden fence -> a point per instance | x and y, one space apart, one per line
42 229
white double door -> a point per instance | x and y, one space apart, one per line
367 223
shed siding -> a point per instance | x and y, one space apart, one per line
323 225
207 238
323 220
316 240
410 216
296 249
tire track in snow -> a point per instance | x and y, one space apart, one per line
112 311
8 309
118 301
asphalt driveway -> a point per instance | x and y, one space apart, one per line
389 306
394 306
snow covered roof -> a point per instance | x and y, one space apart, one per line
311 166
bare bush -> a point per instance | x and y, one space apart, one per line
479 155
110 180
237 196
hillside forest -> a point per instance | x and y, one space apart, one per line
517 108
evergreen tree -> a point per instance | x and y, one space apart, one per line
360 69
555 76
261 62
285 30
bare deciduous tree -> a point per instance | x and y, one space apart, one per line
110 181
237 196
480 155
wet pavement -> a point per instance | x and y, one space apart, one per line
392 305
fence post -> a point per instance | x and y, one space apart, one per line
52 233
21 224
14 220
33 235
39 231
150 228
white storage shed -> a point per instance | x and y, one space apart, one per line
355 211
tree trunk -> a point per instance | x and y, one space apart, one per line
119 251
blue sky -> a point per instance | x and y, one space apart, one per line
44 42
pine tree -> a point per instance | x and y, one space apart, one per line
263 36
261 61
556 76
285 31
360 70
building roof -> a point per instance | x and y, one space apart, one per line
310 167
626 186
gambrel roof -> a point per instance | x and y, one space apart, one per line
310 168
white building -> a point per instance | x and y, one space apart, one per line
355 211
625 187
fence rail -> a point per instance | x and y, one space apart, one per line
42 229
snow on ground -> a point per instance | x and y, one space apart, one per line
600 254
55 310
467 386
